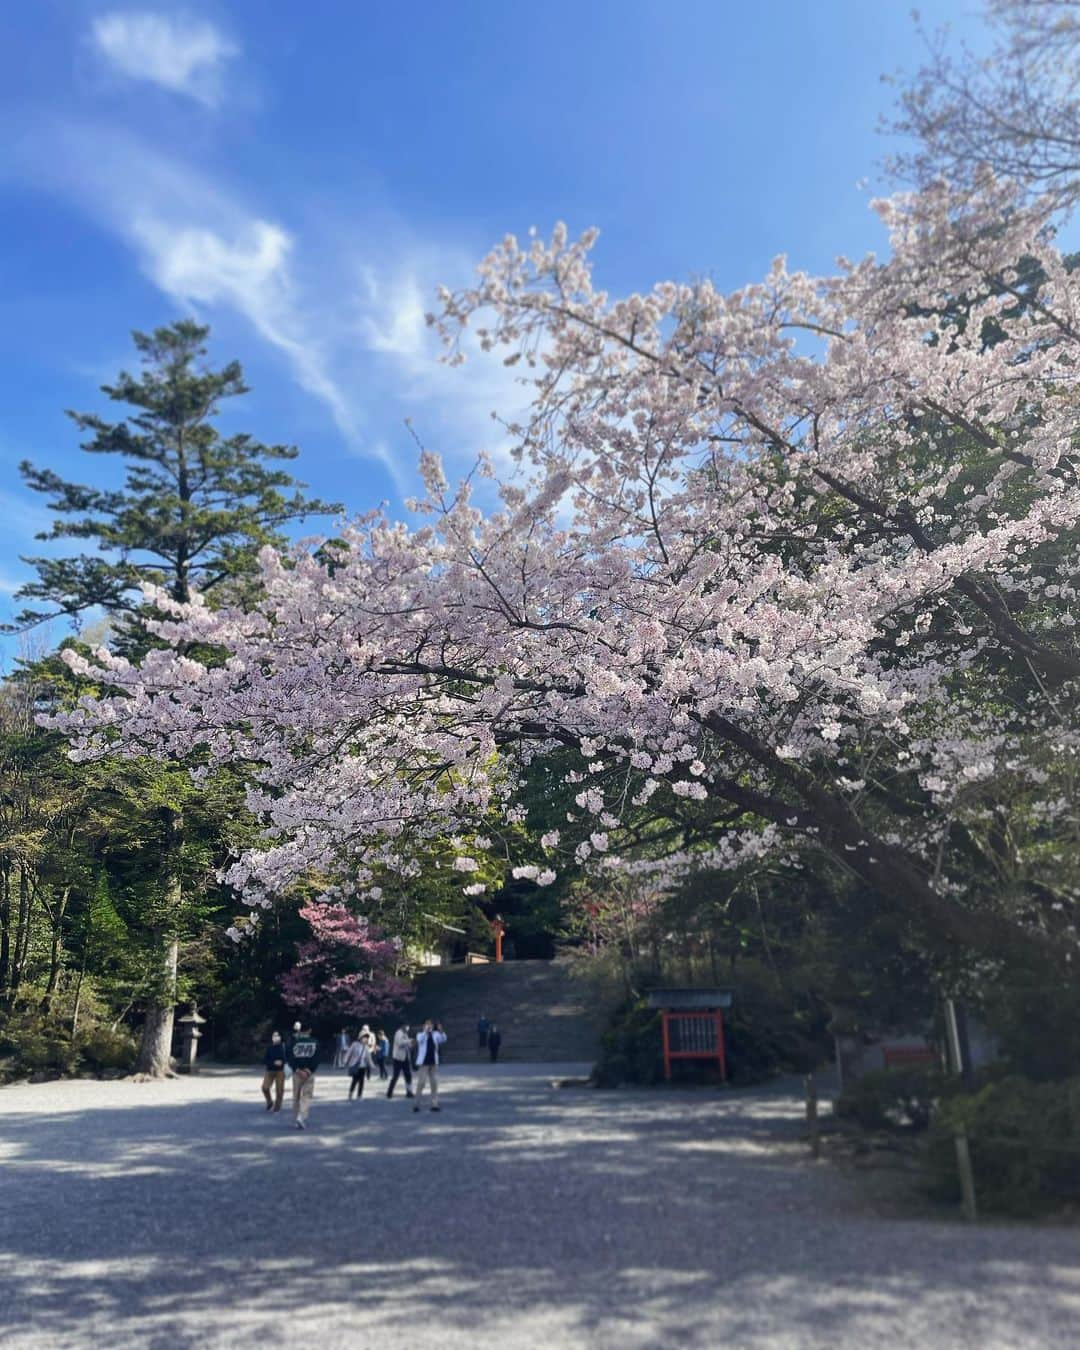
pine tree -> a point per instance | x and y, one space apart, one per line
195 508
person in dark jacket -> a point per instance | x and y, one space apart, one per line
483 1026
304 1061
494 1041
274 1077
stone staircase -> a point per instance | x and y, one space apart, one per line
540 1008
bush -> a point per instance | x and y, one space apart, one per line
890 1098
631 1049
1024 1139
31 1045
102 1049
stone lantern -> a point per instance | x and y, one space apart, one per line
192 1035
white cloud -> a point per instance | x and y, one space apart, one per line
346 315
180 53
249 272
451 406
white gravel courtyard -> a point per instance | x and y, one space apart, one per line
181 1214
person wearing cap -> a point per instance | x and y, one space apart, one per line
304 1058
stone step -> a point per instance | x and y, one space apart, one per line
540 1007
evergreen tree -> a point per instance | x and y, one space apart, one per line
195 508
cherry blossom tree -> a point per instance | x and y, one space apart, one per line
1016 110
793 568
345 969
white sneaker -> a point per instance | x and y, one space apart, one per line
300 1125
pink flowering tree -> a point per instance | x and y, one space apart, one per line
792 568
345 968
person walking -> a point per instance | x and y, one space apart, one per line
382 1052
483 1027
358 1064
428 1042
494 1041
274 1075
402 1066
341 1048
289 1044
304 1059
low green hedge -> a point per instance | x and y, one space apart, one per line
33 1046
1024 1140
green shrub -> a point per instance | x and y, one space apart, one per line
890 1098
101 1048
631 1049
1024 1140
31 1045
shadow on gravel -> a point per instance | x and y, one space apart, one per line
621 1218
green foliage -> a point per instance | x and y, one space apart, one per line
886 1099
104 866
32 1045
1037 1021
631 1048
102 1049
1024 1140
195 507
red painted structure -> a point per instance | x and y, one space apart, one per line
693 1035
499 929
899 1056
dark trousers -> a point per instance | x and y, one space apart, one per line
401 1066
481 1040
356 1084
493 1050
381 1065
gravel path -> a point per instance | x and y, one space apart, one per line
180 1214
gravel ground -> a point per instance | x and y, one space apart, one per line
181 1214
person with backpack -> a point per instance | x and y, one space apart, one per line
304 1061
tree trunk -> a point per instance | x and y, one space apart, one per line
5 934
56 948
22 934
155 1045
78 1000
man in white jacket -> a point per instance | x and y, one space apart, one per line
428 1041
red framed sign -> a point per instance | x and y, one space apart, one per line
693 1035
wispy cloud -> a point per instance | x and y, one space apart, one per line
196 242
178 52
248 270
347 316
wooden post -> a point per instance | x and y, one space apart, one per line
498 928
813 1129
963 1151
720 1053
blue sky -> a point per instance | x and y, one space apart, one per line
302 177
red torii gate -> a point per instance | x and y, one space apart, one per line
692 1024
